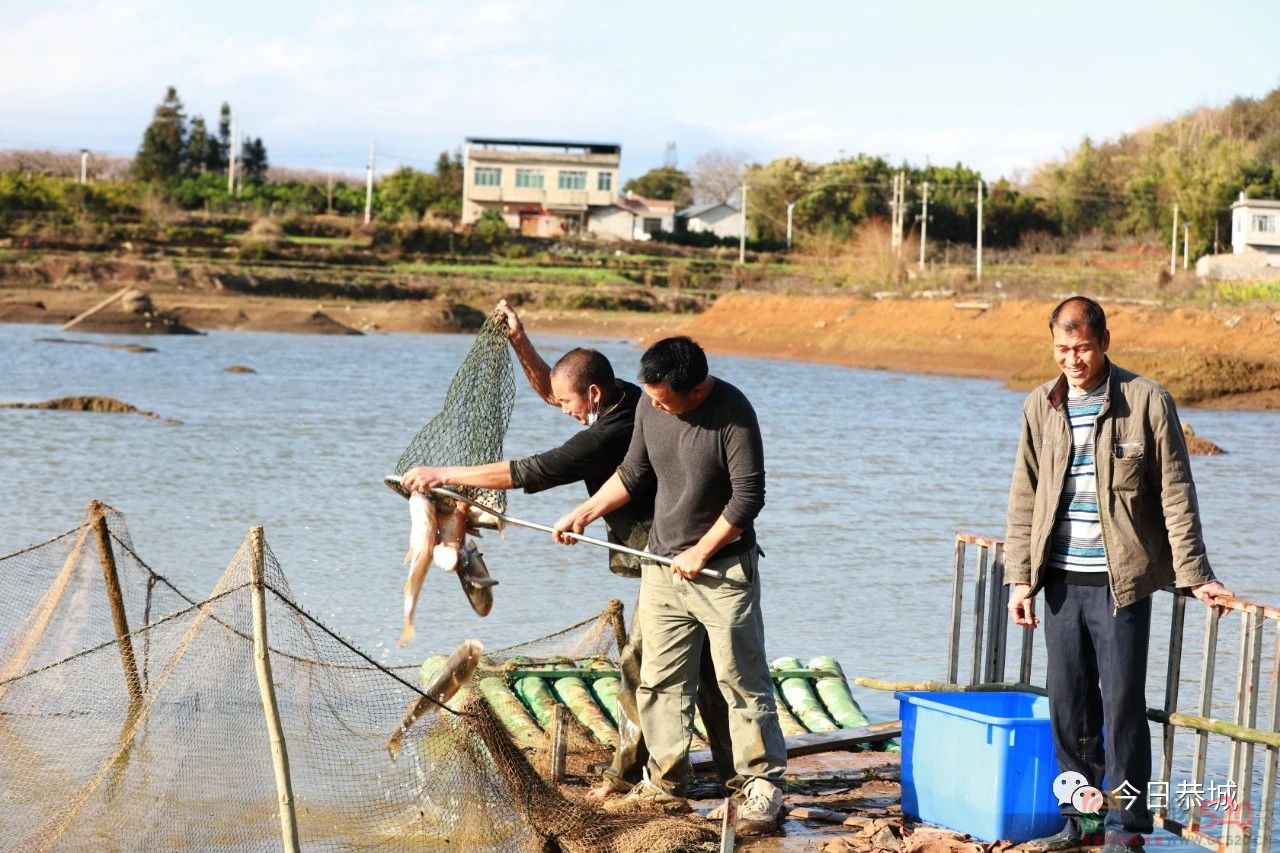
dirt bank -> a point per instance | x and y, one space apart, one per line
1224 357
1212 357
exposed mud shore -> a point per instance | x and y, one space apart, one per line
1221 357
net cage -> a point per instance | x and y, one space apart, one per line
472 422
134 717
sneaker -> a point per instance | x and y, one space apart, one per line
761 811
646 796
1067 838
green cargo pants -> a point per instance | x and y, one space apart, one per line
678 617
632 755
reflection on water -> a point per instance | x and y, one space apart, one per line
869 476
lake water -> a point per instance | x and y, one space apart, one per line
870 474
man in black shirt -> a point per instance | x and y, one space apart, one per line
582 384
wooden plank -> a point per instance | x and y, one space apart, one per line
816 742
96 308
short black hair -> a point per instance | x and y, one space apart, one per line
583 368
1076 311
679 363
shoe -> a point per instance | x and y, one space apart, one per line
1067 838
645 796
761 811
1119 841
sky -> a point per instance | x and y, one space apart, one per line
1001 86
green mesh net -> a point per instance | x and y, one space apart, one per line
472 422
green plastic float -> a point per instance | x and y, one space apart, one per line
801 699
835 695
573 692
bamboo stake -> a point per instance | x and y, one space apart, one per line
619 624
98 512
95 309
43 612
266 687
559 743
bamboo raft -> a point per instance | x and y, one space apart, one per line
816 709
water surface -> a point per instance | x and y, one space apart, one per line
870 474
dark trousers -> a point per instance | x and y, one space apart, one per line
1097 672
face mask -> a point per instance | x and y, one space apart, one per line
593 415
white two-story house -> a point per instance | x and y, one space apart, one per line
542 188
1255 227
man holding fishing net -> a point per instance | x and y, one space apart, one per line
697 440
583 386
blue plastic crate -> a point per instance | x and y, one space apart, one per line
979 763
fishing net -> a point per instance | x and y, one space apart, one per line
472 422
166 737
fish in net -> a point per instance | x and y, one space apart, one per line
469 429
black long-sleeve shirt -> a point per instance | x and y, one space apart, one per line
591 456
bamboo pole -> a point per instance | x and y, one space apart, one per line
266 687
559 743
95 309
619 623
945 686
98 514
43 612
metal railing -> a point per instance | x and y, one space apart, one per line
1242 826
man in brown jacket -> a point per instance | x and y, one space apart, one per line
1102 513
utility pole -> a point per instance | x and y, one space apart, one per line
1186 239
980 193
1173 252
84 165
790 206
231 158
328 194
742 232
924 222
900 213
893 217
368 183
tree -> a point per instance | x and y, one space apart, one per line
666 183
846 192
406 194
160 156
772 186
198 142
717 176
1081 190
254 160
218 154
448 190
953 202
